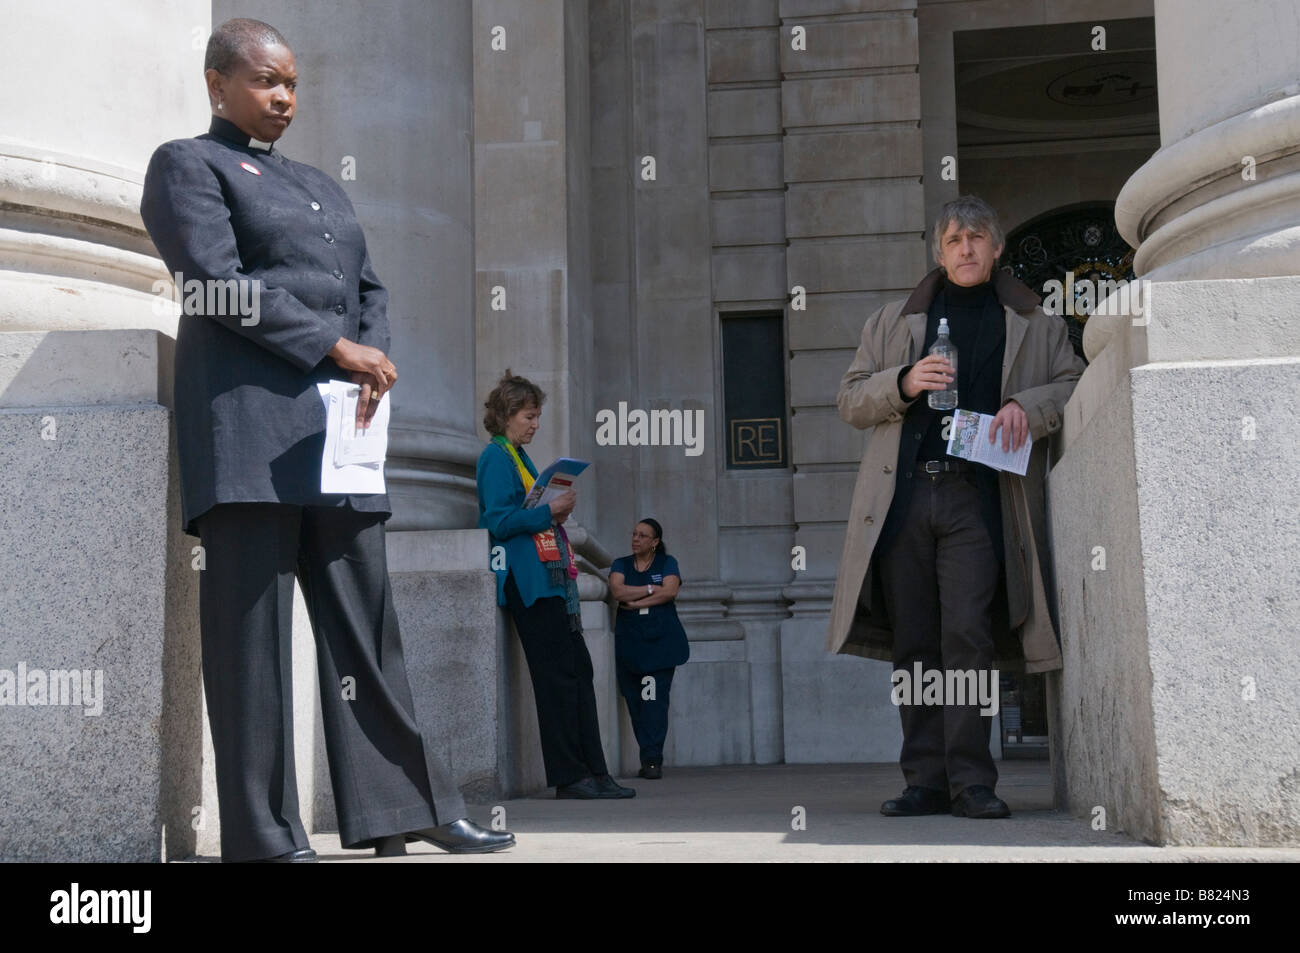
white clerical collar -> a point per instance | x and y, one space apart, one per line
231 133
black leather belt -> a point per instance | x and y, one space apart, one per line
933 467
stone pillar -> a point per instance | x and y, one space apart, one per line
854 209
1175 503
533 300
385 95
98 576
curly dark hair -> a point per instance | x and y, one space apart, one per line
511 395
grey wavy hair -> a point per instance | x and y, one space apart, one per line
969 211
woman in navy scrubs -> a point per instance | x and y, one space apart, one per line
648 637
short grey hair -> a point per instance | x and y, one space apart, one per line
230 44
969 211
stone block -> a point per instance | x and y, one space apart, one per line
825 8
744 112
885 152
744 166
836 707
821 437
744 56
823 496
858 208
709 715
851 44
830 266
840 100
815 376
719 14
749 274
748 219
1159 665
836 320
84 556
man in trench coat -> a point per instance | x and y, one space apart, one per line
945 562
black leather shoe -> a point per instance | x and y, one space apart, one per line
303 855
611 788
464 837
979 800
651 771
916 801
584 790
392 846
589 789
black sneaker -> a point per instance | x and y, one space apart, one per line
916 801
978 800
651 771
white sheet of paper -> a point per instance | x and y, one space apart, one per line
351 477
970 440
359 446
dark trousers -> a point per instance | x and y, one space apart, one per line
939 577
384 780
560 667
649 716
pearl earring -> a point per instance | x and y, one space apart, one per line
221 106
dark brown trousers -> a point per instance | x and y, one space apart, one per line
939 576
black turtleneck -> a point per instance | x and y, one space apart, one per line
965 308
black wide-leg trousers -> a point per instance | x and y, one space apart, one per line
384 780
939 577
561 671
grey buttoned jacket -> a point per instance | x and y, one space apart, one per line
272 270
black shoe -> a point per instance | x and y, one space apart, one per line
392 846
589 789
303 855
915 801
464 837
979 801
611 788
584 790
651 771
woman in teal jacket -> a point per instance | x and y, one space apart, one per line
538 584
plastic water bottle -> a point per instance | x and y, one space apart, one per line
945 399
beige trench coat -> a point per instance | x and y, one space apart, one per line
1039 371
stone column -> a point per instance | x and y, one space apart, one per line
385 106
1175 502
533 299
854 211
101 759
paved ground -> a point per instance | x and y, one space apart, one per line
745 813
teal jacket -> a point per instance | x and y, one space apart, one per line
500 511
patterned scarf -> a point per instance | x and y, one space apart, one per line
555 554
